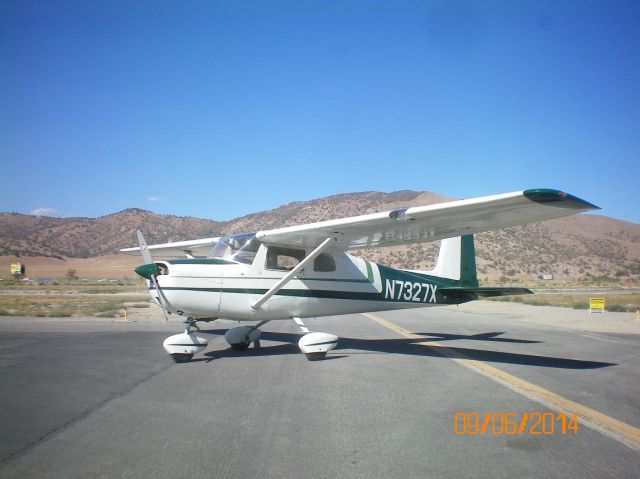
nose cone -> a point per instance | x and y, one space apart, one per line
147 270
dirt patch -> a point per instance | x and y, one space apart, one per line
109 266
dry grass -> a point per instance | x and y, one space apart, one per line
59 305
613 301
110 266
109 300
61 286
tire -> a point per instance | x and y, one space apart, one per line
181 358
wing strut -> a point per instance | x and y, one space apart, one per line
287 277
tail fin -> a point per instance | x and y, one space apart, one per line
458 256
457 261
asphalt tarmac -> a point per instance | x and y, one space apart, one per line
101 399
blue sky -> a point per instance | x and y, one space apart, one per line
220 109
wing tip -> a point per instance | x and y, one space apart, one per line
558 199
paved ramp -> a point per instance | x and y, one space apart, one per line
381 405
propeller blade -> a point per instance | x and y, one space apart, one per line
151 273
161 297
144 249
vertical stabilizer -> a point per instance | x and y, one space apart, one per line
449 259
457 261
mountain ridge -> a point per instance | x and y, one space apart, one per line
582 245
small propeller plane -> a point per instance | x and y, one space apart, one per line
305 271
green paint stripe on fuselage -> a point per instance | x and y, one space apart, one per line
318 294
311 293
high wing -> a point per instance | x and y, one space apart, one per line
407 225
433 222
196 248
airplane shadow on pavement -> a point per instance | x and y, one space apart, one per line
346 346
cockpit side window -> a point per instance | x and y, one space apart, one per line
247 253
324 263
283 259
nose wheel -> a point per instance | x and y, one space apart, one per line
240 338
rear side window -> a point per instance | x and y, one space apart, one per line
324 263
283 259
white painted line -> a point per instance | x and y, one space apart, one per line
303 328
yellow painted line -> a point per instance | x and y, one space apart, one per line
611 427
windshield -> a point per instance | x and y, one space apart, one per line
241 248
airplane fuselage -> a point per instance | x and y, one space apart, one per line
219 288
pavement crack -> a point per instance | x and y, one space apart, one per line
56 431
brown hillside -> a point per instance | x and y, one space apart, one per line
85 237
572 248
332 207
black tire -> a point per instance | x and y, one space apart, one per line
240 346
181 358
316 356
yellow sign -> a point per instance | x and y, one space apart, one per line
596 304
16 268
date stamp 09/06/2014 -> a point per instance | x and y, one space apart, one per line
511 423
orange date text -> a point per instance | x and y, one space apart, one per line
510 423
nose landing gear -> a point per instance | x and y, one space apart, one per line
241 337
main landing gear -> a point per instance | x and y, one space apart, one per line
315 346
182 347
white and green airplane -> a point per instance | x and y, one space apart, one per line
305 271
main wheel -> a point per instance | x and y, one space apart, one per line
182 347
240 346
181 358
315 346
316 356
